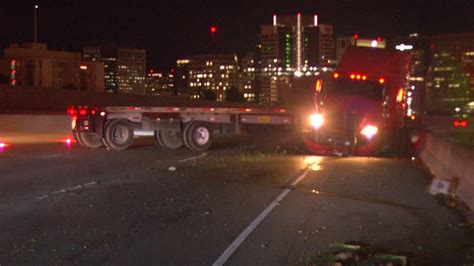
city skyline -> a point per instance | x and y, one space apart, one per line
171 31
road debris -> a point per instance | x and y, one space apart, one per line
444 186
354 254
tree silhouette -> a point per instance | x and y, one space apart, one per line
234 95
209 95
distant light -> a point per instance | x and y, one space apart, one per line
274 20
68 141
83 67
457 109
213 29
381 80
315 20
358 77
356 36
298 74
2 145
402 47
336 75
353 76
364 77
374 43
379 39
36 6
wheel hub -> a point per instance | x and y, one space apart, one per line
202 135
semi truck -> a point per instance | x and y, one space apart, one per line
172 127
359 110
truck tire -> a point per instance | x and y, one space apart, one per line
197 136
184 136
78 140
169 139
159 143
119 134
88 140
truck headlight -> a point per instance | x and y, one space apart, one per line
316 120
369 131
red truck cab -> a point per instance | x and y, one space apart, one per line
359 110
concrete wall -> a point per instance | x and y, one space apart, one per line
447 160
28 129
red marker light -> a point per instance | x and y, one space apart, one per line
381 80
356 36
336 75
379 39
213 29
364 77
353 76
358 77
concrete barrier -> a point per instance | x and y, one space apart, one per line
447 160
27 129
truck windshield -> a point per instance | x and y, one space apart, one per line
347 87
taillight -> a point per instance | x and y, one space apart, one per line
460 123
83 111
72 111
381 80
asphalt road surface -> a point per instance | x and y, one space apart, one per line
248 201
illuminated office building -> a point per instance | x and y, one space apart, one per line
124 69
214 73
450 79
33 65
181 80
293 46
160 83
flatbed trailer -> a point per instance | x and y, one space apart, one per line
173 127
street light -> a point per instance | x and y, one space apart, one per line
35 24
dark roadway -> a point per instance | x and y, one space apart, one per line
76 206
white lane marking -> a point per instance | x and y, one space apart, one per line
64 190
192 158
52 156
253 225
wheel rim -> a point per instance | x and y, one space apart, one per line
201 135
120 134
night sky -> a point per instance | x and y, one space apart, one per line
172 29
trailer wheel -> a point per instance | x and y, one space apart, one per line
119 134
169 139
198 136
88 140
